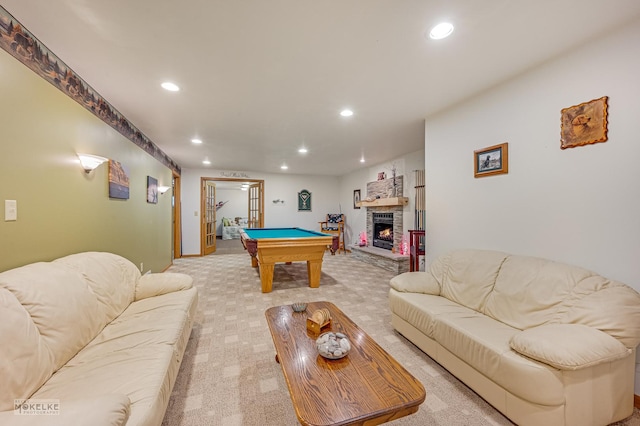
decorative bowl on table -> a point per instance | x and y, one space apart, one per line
299 306
333 345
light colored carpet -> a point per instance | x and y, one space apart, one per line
229 376
228 247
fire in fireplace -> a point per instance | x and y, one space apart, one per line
383 230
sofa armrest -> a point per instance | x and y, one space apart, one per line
416 282
568 346
150 285
105 410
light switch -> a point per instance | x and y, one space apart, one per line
10 210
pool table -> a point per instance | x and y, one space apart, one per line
270 245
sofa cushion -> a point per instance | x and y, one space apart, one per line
531 291
25 361
609 306
138 355
111 278
416 282
52 315
138 372
157 320
568 346
469 276
483 343
150 285
422 310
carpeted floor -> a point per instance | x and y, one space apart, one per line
229 376
228 247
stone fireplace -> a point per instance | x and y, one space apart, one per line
382 225
388 218
389 242
385 204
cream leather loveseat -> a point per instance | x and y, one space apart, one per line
88 341
543 342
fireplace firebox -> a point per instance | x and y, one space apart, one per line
383 230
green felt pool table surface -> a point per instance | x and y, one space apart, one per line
268 246
258 233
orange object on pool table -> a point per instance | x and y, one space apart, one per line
268 246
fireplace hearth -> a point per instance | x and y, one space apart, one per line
383 230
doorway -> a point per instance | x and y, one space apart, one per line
175 217
209 204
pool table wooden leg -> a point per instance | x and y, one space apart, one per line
266 276
314 270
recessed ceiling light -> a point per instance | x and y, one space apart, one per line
284 167
346 113
303 150
206 162
167 85
196 141
362 160
441 30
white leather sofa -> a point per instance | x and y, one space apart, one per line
543 342
87 340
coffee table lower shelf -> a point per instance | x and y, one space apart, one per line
367 387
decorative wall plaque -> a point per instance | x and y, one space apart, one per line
584 124
304 201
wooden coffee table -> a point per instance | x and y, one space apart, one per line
366 387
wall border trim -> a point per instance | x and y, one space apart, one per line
22 45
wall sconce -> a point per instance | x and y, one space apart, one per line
163 189
90 162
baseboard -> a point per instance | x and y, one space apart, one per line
636 401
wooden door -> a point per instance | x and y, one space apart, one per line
256 205
177 223
208 218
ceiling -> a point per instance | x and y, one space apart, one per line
260 79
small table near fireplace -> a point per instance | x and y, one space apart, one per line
416 249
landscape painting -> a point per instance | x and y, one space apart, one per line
118 181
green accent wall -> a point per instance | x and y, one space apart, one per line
61 209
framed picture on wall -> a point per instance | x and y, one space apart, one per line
584 124
118 181
356 198
493 160
152 190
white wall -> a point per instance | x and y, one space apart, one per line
325 198
580 205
